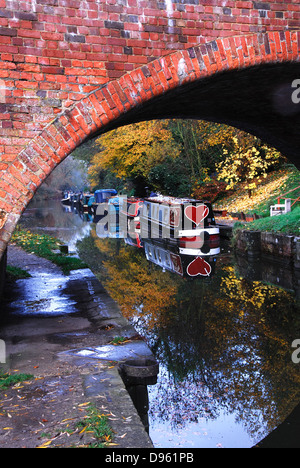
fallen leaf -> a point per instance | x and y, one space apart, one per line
45 444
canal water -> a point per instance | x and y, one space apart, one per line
223 341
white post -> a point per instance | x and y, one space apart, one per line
288 205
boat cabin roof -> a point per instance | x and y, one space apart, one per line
172 200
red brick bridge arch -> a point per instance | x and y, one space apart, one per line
71 70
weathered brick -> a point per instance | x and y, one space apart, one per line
74 38
53 70
23 15
8 31
261 5
55 54
114 25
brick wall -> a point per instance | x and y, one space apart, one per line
56 54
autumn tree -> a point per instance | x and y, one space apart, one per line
247 162
131 151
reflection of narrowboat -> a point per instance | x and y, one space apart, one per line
168 257
66 199
134 240
101 198
191 223
70 198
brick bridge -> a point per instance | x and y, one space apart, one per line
72 69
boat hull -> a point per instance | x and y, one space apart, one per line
189 223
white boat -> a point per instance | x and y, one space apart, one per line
187 222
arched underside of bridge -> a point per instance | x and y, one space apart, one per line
245 82
256 99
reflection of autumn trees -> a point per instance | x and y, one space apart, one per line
240 350
225 342
135 283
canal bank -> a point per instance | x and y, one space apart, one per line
191 404
60 329
276 246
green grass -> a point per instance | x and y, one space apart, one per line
265 195
291 183
287 223
44 246
15 273
118 340
98 425
8 380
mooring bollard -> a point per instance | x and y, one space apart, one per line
137 374
2 352
64 249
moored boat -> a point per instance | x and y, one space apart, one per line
186 222
131 208
101 198
84 202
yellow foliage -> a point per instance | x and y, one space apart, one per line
133 150
246 162
242 202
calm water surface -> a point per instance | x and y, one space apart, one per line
223 342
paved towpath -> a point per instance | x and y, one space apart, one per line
59 329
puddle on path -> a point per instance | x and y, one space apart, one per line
42 295
121 352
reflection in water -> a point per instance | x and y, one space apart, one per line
55 219
223 340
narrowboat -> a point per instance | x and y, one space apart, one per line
185 222
113 208
84 202
101 198
131 209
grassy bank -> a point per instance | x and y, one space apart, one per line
276 184
286 224
8 380
46 247
15 273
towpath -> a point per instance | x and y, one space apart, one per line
59 328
